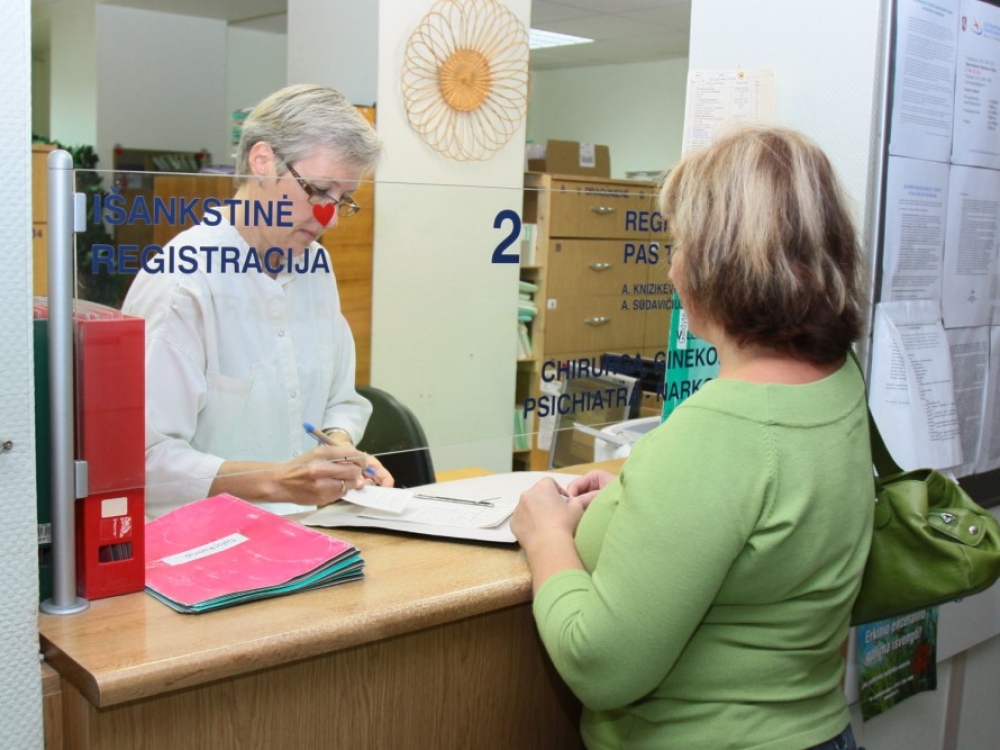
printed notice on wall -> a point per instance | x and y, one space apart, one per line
970 247
913 255
897 658
716 98
911 390
970 359
976 137
924 79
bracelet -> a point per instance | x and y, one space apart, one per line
334 433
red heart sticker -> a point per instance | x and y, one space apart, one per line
324 213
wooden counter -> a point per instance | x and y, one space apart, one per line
436 647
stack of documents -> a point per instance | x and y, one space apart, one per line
223 551
477 508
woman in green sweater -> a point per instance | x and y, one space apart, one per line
700 598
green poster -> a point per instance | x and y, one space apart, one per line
691 361
896 658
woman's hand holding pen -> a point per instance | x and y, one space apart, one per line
376 473
323 475
373 470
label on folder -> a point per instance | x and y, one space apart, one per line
212 548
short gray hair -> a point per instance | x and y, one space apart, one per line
297 120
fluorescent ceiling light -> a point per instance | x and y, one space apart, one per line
538 39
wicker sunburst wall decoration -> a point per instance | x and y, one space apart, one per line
465 78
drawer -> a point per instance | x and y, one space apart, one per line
591 323
591 267
579 209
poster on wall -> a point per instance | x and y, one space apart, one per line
897 658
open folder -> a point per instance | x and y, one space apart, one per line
223 551
478 508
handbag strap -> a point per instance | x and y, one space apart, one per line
881 458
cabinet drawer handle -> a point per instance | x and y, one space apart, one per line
599 266
602 210
598 321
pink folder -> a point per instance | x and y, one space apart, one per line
223 550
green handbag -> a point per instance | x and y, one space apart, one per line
931 543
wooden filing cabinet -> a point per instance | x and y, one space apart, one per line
601 269
39 218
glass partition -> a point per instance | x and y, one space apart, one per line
511 329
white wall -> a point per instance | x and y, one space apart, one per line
444 316
20 687
73 72
824 57
161 82
336 44
256 65
636 109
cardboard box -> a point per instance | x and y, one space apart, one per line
573 157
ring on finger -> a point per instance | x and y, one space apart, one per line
343 487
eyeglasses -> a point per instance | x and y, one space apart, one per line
346 205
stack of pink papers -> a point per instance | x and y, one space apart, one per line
223 551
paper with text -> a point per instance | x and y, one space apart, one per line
913 254
453 520
970 249
389 499
970 358
989 443
911 392
924 79
976 137
716 98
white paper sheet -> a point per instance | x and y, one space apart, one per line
970 248
913 252
507 488
924 79
910 390
389 499
989 443
976 133
970 357
718 97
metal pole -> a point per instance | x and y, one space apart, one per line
64 600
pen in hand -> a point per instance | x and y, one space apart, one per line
323 439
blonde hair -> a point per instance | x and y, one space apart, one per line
297 120
770 251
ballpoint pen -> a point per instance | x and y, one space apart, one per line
360 459
461 501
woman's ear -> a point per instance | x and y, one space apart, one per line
262 160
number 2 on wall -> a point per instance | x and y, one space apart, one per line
515 232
